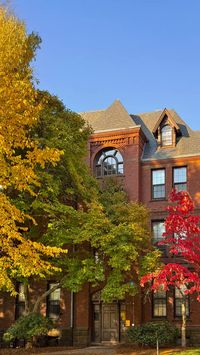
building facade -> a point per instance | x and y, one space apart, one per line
151 153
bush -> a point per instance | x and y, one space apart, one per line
148 333
27 327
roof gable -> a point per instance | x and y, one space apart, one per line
164 113
113 118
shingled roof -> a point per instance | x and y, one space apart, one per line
116 117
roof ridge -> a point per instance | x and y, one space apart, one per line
92 111
155 111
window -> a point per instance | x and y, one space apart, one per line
158 228
160 303
110 162
178 302
166 136
53 303
180 178
20 301
158 184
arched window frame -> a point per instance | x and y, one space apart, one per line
116 166
166 135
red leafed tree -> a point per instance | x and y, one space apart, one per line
182 237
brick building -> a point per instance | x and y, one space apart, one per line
151 153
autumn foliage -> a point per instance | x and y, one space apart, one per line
182 238
19 154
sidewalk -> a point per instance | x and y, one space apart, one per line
92 350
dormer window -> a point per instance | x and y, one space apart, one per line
166 130
166 135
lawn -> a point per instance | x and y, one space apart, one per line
188 352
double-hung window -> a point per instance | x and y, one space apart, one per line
53 302
179 294
160 303
158 184
180 178
166 136
158 228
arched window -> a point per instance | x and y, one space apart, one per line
109 162
166 135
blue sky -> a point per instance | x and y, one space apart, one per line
144 52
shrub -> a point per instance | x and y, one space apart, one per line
27 327
148 333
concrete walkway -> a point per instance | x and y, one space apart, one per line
92 350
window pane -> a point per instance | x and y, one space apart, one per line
119 157
159 303
110 162
120 168
160 309
178 308
178 301
180 187
110 166
180 175
53 307
55 295
158 230
166 135
159 191
110 152
158 177
160 293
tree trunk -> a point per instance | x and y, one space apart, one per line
183 326
26 299
42 297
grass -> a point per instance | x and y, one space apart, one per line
175 351
188 352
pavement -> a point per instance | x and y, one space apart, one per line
92 350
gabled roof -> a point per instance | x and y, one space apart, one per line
187 145
164 113
114 117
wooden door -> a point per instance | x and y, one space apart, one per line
110 322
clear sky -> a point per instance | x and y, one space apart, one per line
144 52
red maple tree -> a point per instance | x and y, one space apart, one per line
181 237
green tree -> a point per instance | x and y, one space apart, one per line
107 237
20 155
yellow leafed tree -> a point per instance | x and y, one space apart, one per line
19 155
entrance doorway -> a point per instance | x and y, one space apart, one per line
110 322
107 324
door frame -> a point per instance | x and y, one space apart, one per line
96 300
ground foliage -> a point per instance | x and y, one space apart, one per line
27 327
149 333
